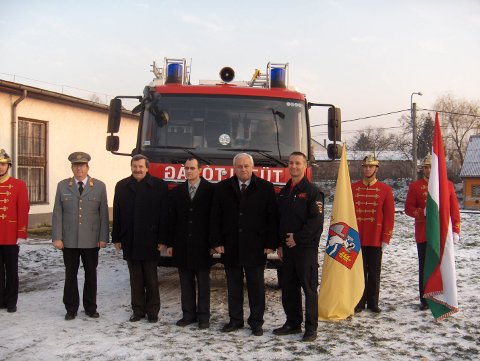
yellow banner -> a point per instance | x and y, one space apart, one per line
342 281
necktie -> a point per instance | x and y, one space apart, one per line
80 187
243 187
192 191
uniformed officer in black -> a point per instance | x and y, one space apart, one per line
300 206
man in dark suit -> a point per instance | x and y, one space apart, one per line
188 243
79 229
243 228
140 211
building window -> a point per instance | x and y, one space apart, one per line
476 191
32 158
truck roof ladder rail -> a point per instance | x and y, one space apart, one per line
263 80
259 80
161 74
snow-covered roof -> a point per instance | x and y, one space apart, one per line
320 153
471 163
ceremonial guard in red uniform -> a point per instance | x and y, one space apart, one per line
375 211
415 207
14 207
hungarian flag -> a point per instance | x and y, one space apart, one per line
342 282
439 271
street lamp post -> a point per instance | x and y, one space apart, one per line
413 109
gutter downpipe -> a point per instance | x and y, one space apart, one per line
14 133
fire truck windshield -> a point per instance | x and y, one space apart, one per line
212 127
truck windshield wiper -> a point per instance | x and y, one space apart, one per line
259 151
185 149
281 115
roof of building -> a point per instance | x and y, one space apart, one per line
39 93
471 163
320 153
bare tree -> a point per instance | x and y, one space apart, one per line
403 139
460 118
372 139
95 98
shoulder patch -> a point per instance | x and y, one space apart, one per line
319 206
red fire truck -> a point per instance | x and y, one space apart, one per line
215 120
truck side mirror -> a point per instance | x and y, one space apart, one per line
334 124
113 143
161 118
334 151
114 116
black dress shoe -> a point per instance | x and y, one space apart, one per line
202 325
358 309
287 330
184 322
12 309
309 336
232 326
135 318
93 314
153 319
423 307
257 331
70 316
375 309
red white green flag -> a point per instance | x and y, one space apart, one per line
439 273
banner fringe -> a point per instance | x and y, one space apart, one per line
442 317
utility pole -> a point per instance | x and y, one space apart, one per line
413 109
414 142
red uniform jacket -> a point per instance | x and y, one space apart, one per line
417 201
14 207
375 211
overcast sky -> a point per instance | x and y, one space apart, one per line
366 57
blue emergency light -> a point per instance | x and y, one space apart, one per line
174 73
277 78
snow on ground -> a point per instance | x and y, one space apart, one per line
401 332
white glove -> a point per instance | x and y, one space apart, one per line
21 241
456 237
384 245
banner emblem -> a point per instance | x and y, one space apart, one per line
343 244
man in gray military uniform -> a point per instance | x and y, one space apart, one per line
80 229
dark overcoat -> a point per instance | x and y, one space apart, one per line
189 224
140 217
244 224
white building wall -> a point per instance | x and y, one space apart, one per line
71 128
5 121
